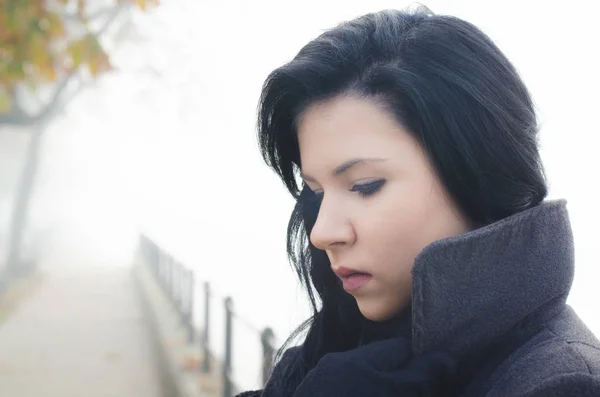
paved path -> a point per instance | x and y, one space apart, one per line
81 334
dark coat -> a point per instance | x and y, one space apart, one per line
489 318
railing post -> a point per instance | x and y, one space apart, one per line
170 277
164 270
162 266
178 290
227 384
206 333
267 339
189 318
155 258
149 255
142 249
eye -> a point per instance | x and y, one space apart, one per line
314 196
368 189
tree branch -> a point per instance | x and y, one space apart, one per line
19 117
96 14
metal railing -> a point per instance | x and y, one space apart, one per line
179 283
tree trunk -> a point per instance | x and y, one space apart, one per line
21 202
23 195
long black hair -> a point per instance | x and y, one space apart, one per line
446 83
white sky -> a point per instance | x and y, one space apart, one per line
177 153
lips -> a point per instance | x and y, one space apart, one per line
352 279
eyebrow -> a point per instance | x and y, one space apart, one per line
340 169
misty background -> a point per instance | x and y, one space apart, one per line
166 143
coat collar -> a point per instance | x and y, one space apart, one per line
472 288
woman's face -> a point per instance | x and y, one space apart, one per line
382 202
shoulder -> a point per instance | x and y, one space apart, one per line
287 358
565 385
565 356
273 386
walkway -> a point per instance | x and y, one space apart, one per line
81 333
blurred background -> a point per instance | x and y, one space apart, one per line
130 118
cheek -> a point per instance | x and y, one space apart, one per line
397 227
403 221
397 247
390 240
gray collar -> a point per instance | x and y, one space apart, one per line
472 288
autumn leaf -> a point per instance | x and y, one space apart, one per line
55 25
142 4
99 64
5 104
48 72
37 47
15 72
76 51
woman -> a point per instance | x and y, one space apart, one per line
433 263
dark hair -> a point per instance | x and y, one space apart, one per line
445 82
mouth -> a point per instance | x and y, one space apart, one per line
352 279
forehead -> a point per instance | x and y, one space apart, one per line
337 130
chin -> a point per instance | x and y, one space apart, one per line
374 312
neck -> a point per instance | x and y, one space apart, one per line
397 326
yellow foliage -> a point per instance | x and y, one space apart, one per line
78 52
48 73
5 105
55 25
34 47
37 47
99 64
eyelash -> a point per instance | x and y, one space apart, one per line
368 189
364 190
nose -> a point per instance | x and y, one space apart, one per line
332 227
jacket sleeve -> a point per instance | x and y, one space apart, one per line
568 385
276 376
